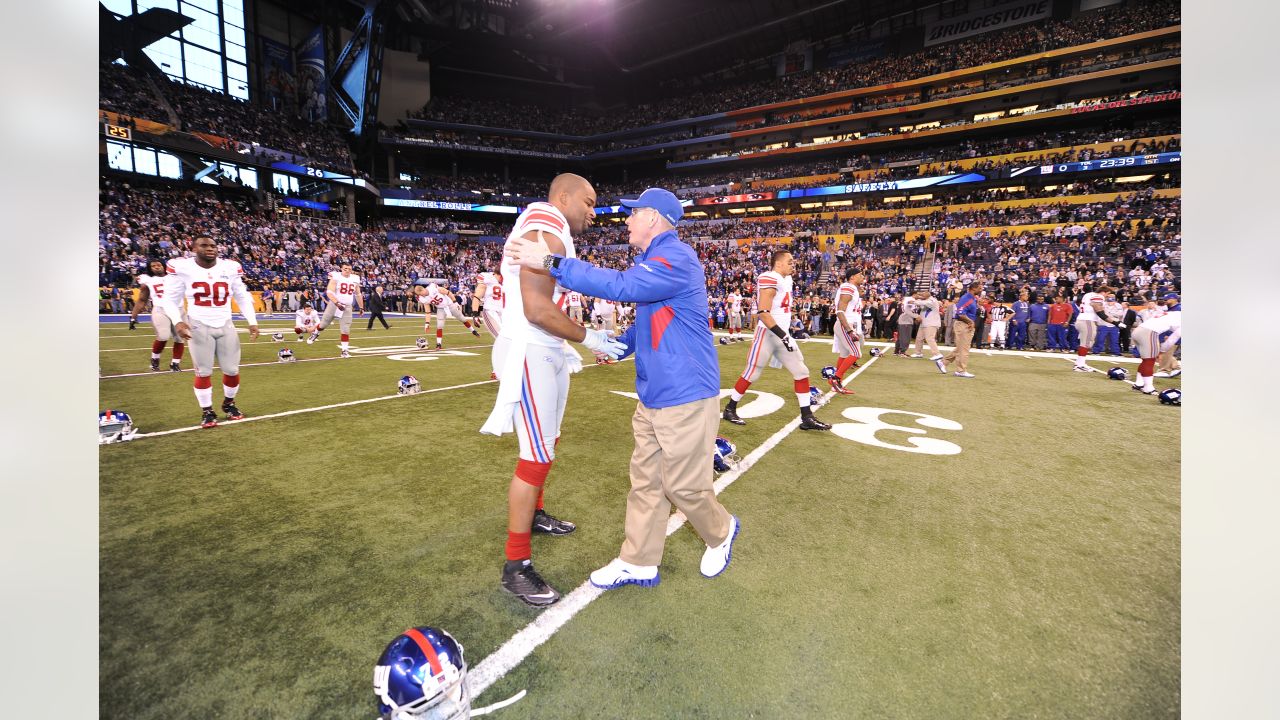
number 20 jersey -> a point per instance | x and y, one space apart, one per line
208 291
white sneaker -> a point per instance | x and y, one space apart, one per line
1161 374
716 559
1175 373
916 355
942 365
1080 368
964 374
620 572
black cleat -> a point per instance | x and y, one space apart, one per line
210 419
133 324
544 523
520 579
175 366
809 422
475 332
731 414
233 412
155 365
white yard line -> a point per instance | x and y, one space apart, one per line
514 651
381 353
232 423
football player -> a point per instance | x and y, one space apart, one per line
444 302
1153 338
533 363
771 343
343 291
1092 314
152 284
486 302
305 322
209 283
848 328
734 299
574 301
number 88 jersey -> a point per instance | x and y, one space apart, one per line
208 291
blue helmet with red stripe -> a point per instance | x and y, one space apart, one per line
724 457
422 674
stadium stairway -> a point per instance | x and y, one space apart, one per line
922 273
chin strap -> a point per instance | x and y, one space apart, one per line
498 705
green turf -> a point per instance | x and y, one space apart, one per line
258 570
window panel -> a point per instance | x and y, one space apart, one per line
166 53
233 9
249 177
235 53
207 22
144 5
170 166
233 34
119 7
210 5
236 71
239 90
204 67
144 161
119 156
201 37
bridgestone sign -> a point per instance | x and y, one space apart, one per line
985 21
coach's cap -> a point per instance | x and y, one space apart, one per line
1171 296
667 204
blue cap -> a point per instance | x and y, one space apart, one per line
1171 296
667 204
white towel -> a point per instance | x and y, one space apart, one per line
511 379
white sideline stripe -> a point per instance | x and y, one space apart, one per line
300 411
310 410
382 353
514 651
265 338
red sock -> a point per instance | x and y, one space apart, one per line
540 497
1082 351
466 324
204 382
178 350
741 386
802 386
518 545
157 347
345 338
1147 367
439 335
230 381
843 366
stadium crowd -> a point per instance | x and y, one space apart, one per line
689 98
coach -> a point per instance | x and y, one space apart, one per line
677 379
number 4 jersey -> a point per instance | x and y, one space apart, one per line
781 307
208 291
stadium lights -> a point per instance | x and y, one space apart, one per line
1133 178
737 211
762 208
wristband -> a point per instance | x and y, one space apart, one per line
777 330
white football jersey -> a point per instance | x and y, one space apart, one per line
208 291
492 297
547 218
1086 306
605 309
781 307
1170 321
306 318
345 287
735 302
575 299
155 286
434 297
852 311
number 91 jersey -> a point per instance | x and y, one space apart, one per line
492 291
208 291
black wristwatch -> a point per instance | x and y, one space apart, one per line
551 262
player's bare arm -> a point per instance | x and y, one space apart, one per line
537 287
840 308
331 292
475 297
766 302
144 294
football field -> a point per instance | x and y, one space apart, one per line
1001 547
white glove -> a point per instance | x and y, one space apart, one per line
600 342
572 360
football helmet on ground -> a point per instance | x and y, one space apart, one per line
724 456
408 385
286 355
828 372
115 426
422 343
1171 396
1118 373
422 674
278 337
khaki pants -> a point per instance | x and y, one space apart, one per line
672 465
960 356
927 334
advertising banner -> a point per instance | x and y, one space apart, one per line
312 96
277 70
985 21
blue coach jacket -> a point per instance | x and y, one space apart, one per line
676 362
